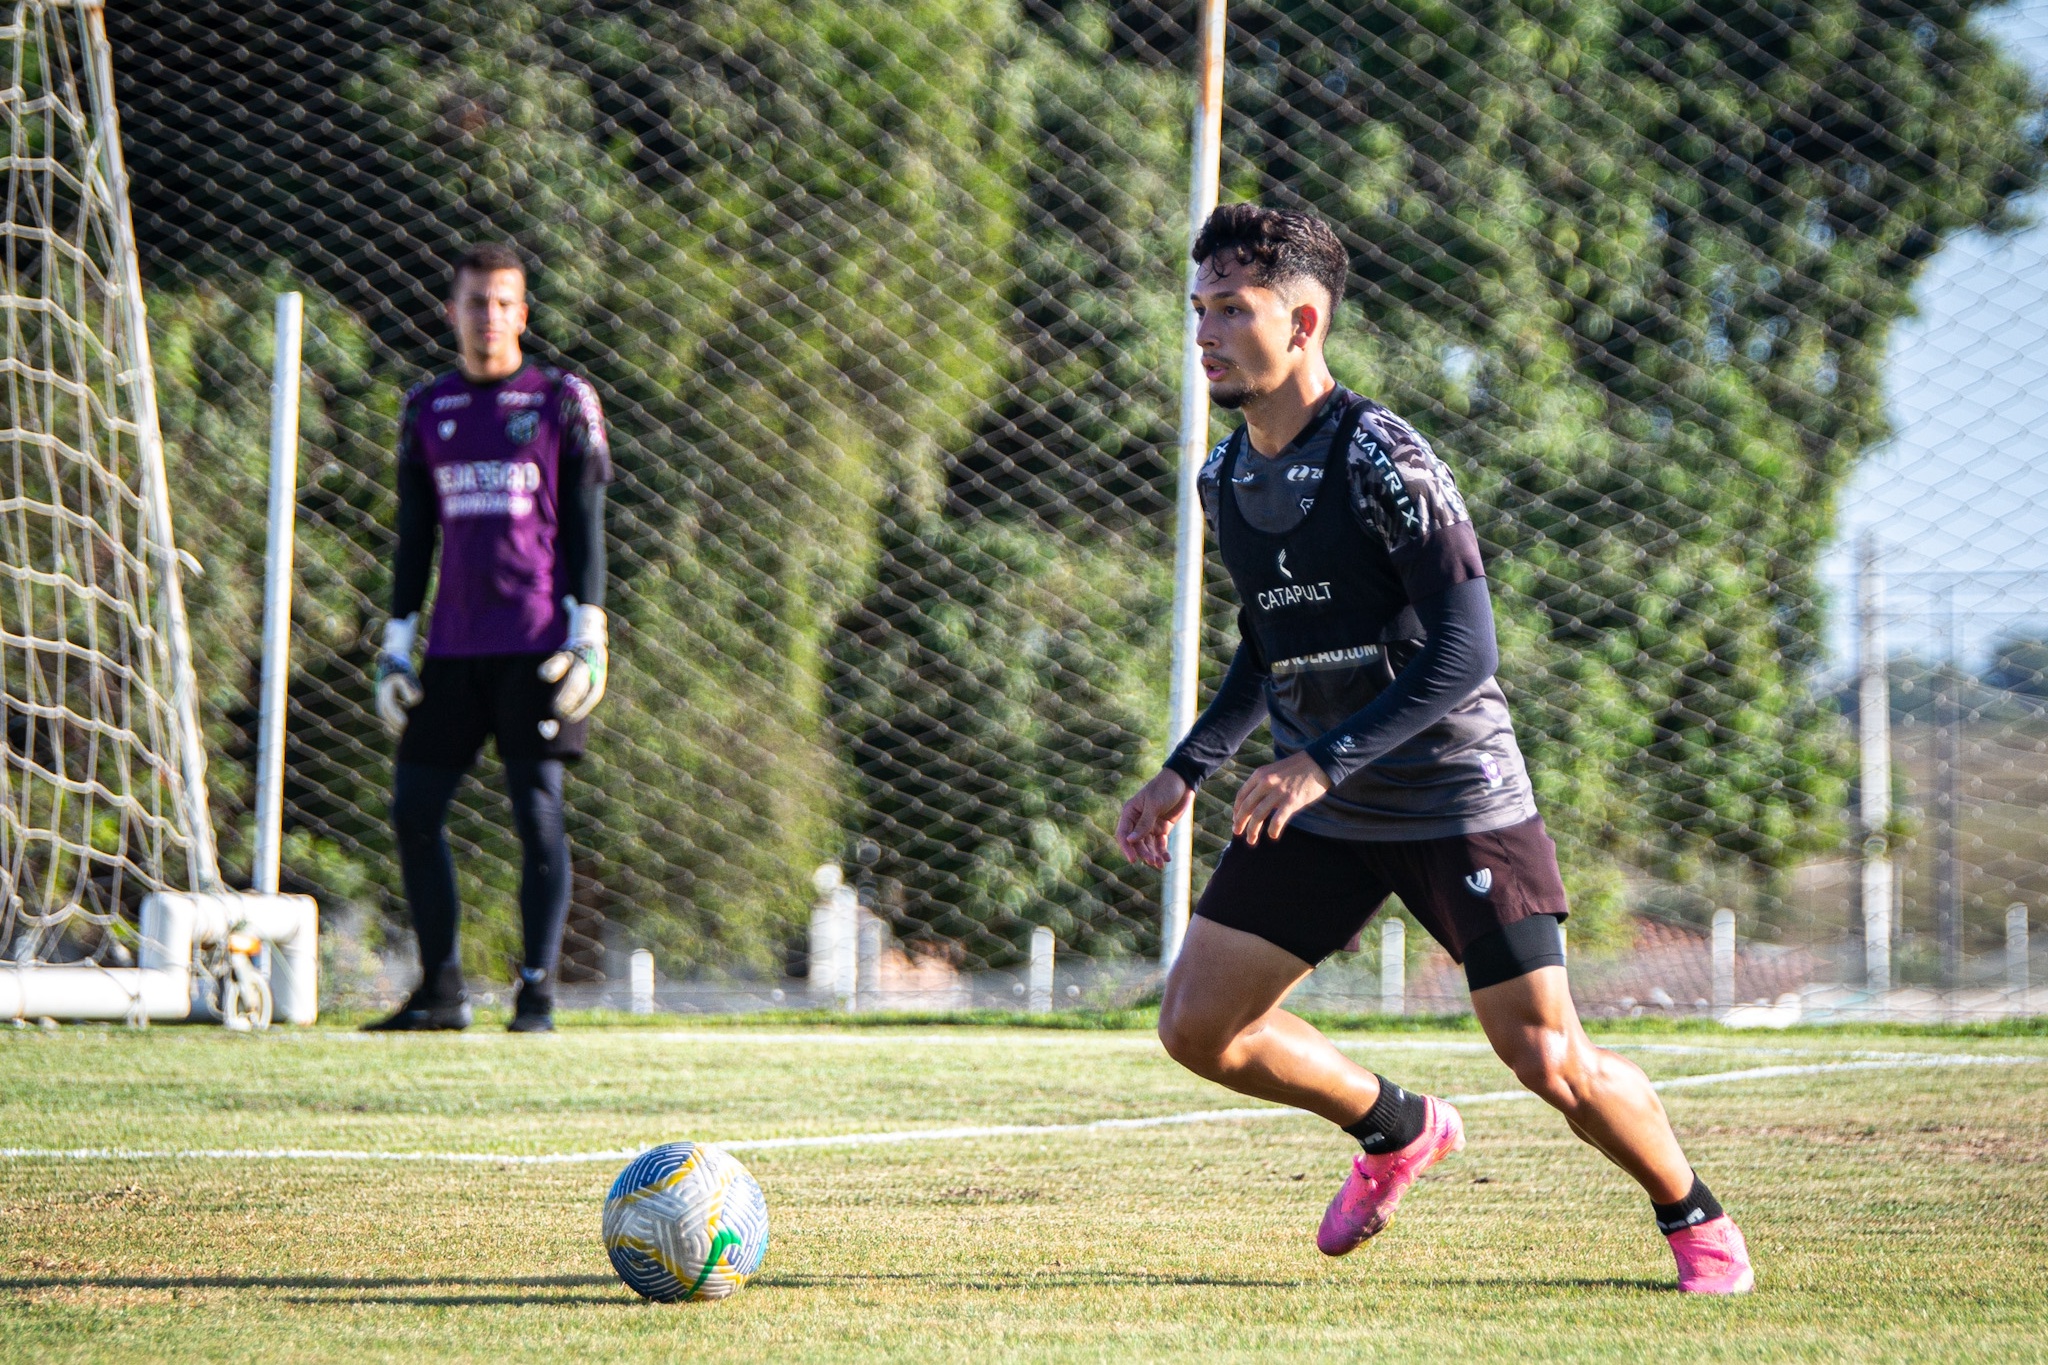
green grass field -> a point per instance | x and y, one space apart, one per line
1898 1211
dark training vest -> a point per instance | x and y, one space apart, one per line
1307 592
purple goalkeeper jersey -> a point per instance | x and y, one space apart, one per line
495 453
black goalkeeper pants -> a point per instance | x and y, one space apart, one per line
419 816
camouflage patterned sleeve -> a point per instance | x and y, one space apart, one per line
584 440
1403 493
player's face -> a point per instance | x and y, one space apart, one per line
488 313
1252 336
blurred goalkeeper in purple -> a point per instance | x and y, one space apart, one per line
504 463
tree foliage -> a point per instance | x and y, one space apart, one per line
883 300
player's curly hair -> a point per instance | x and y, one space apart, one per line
1278 244
485 257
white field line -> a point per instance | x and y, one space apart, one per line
1757 1073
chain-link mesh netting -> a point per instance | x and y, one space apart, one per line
882 300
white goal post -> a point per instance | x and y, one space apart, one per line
114 907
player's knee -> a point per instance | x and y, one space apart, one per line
1196 1043
1545 1064
415 817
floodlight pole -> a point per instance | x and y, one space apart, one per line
1194 448
277 590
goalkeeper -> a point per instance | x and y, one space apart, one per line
505 462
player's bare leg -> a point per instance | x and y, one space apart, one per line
1604 1097
1608 1102
1221 1019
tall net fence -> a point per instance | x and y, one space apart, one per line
883 303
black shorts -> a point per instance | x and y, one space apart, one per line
470 699
1477 894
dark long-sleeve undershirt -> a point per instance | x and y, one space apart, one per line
1458 655
1230 717
579 539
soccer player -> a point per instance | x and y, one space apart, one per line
1368 645
506 462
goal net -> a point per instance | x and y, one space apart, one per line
102 788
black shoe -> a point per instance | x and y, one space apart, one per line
532 1021
535 1010
425 1014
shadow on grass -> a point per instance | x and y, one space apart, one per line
1006 1281
1550 1282
462 1290
18 1282
427 1299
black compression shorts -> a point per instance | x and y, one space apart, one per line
1494 900
469 699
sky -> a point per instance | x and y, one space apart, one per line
1958 498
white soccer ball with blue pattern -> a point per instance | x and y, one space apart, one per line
685 1221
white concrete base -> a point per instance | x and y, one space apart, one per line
161 986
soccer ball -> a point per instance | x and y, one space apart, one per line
685 1221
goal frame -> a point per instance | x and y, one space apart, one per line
169 980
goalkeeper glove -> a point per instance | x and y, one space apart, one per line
579 665
398 688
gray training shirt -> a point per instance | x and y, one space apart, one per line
1462 774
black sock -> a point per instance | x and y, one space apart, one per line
1395 1120
1698 1206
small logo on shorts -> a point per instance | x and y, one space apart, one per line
1481 882
1489 766
550 728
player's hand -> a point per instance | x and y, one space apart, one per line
580 664
1276 794
1141 827
398 688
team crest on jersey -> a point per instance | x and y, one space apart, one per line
521 428
446 429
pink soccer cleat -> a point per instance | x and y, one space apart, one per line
1365 1204
1712 1258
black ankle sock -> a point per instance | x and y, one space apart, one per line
1698 1206
1395 1120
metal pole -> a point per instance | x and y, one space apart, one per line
1194 448
823 986
1874 740
1393 965
867 972
139 378
641 975
277 589
1948 912
1039 997
2016 951
1724 962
